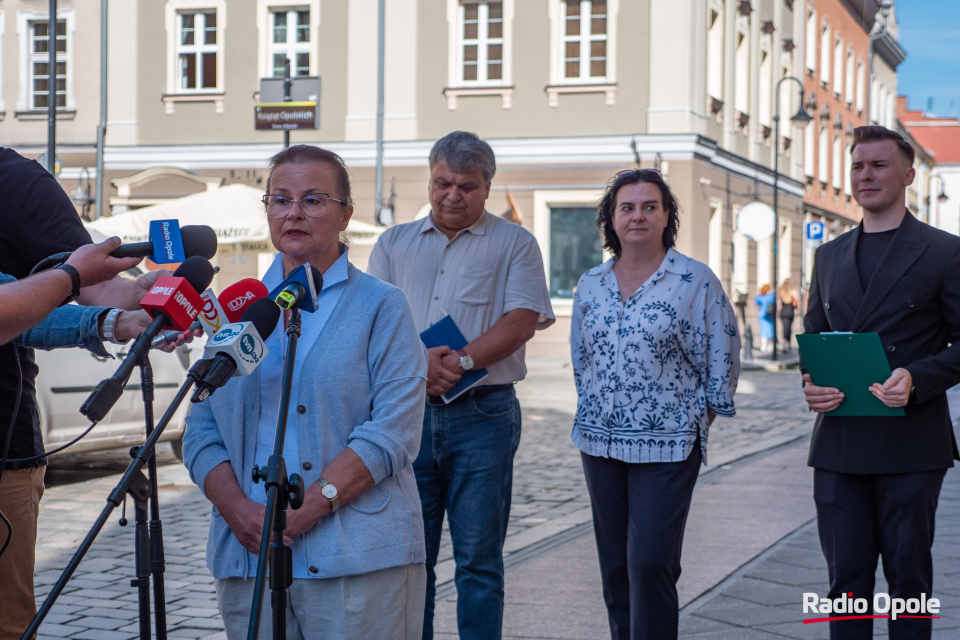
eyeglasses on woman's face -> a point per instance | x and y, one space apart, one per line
312 205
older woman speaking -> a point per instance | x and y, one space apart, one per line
353 432
655 359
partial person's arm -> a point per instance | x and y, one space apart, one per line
718 357
929 377
25 303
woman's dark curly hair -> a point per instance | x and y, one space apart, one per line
609 202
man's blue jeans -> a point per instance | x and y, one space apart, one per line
465 467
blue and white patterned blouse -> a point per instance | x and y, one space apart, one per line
648 369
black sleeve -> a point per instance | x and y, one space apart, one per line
814 320
47 223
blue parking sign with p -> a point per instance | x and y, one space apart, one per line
814 231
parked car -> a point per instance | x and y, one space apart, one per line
68 376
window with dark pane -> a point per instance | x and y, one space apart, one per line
40 83
575 247
584 40
197 53
290 40
481 42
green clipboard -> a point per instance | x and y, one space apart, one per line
850 362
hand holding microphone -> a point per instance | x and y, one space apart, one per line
173 301
95 262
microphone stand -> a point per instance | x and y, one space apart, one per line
139 488
281 492
149 544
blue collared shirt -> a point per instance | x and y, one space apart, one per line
271 383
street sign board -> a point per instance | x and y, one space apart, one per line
286 116
815 230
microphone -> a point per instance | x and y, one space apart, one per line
172 301
215 313
167 240
299 289
238 348
197 240
236 298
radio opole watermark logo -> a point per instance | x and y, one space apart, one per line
884 606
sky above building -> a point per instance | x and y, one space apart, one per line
930 75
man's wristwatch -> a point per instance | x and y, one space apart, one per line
330 493
110 326
70 270
466 361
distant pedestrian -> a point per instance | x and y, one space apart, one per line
787 301
877 479
766 315
655 353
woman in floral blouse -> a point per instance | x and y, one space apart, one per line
656 358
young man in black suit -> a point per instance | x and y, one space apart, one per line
877 479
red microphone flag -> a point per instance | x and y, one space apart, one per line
174 297
235 299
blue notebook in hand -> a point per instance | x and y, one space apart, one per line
446 333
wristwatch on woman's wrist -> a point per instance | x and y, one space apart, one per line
330 493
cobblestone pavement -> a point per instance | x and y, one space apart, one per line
550 511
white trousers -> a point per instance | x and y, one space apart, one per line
385 604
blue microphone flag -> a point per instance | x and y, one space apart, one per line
299 289
167 242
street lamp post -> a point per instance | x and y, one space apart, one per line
941 197
800 118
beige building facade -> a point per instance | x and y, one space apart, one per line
568 92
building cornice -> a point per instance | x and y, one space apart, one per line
555 152
889 49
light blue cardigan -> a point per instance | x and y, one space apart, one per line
363 387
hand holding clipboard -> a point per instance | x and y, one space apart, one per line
852 363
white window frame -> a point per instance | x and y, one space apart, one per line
482 42
24 18
811 37
742 62
767 83
861 85
265 10
172 12
809 150
289 50
558 83
837 162
851 79
585 41
715 50
823 154
837 64
456 87
847 168
199 50
825 44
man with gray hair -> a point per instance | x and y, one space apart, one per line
488 275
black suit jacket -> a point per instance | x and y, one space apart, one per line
913 302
